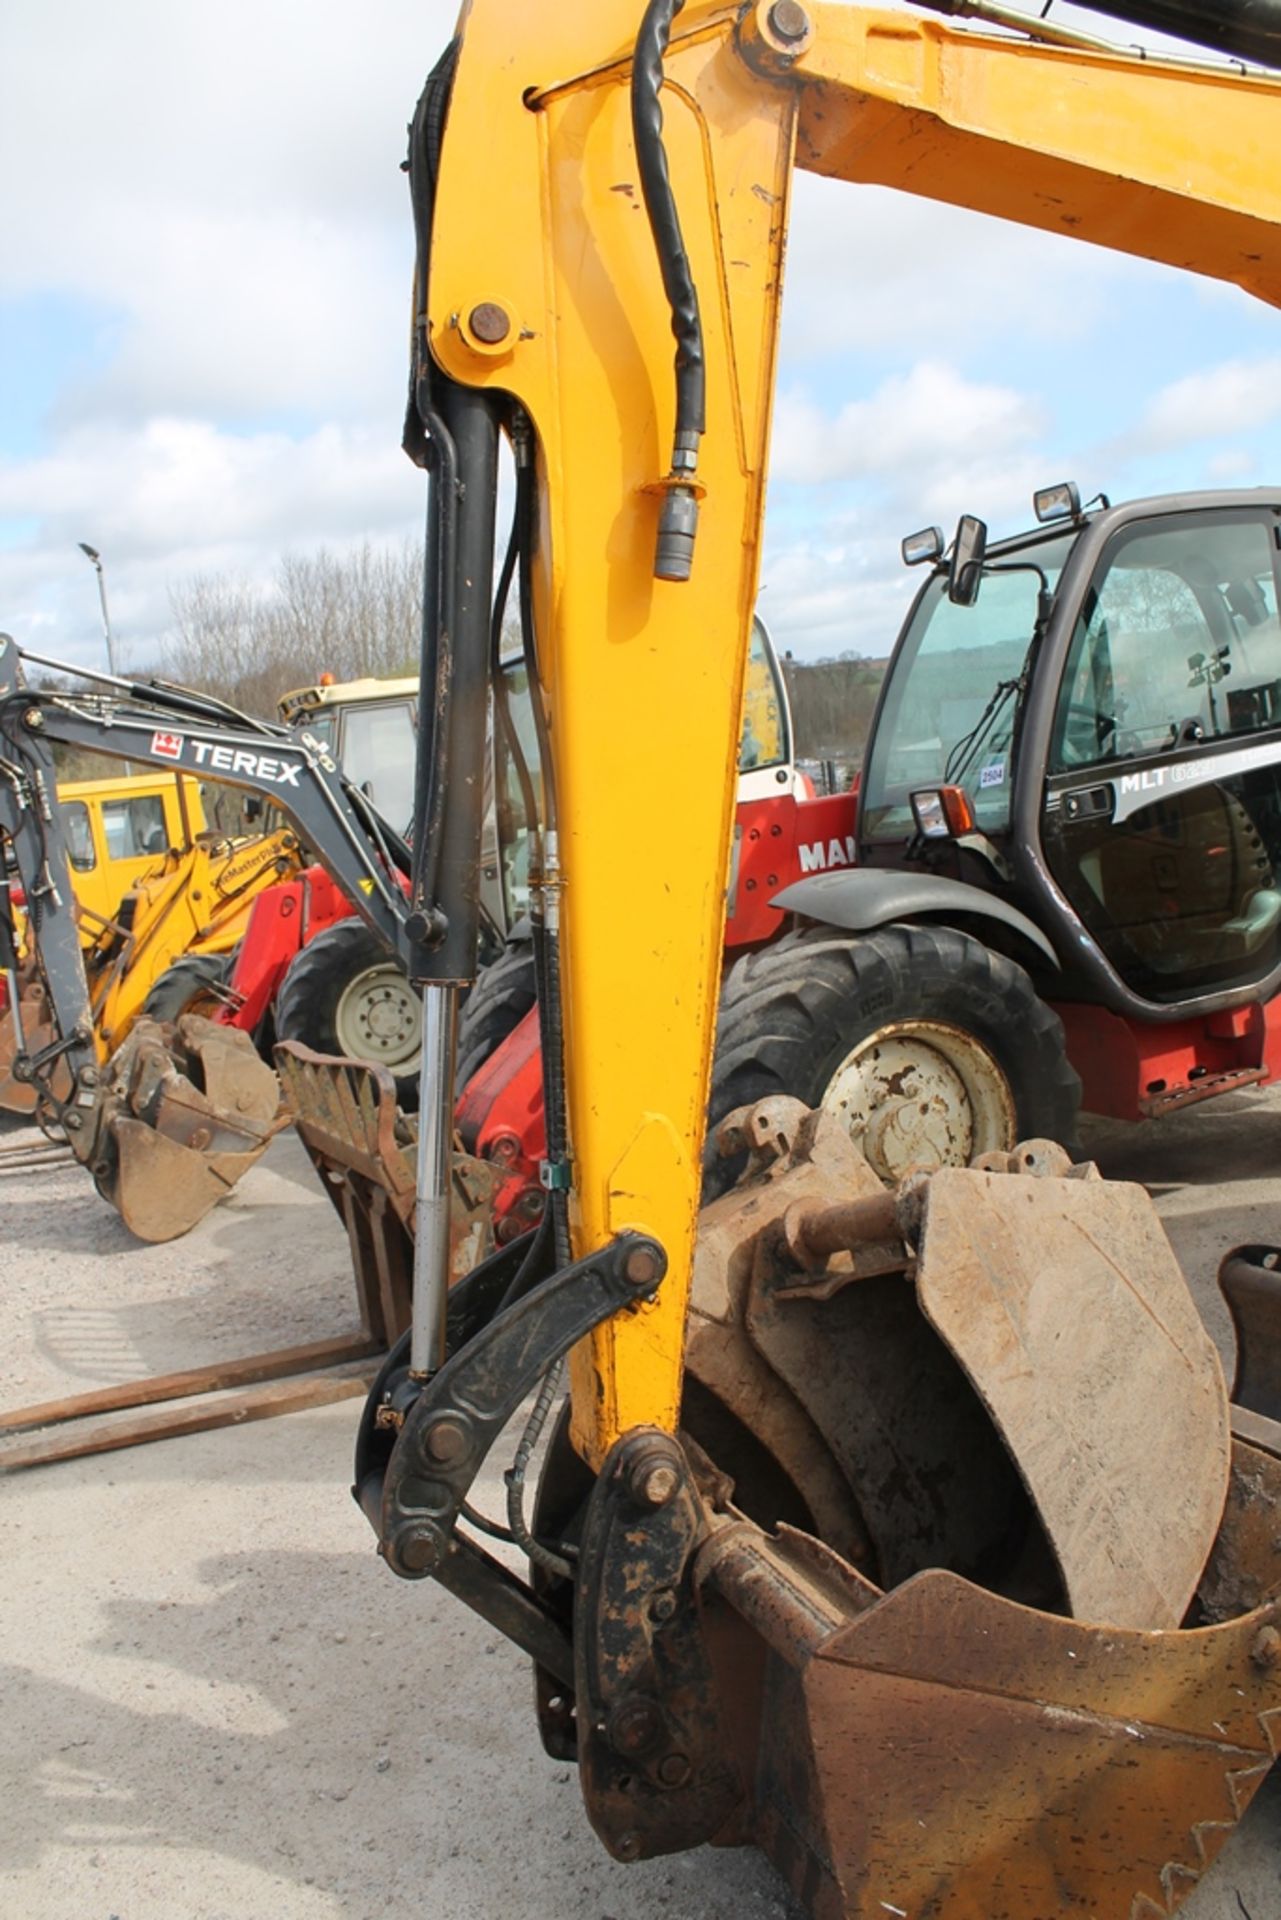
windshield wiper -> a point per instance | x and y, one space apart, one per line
966 749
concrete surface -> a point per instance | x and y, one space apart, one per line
218 1705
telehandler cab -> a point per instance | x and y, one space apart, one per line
909 1535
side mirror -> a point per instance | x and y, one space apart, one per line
965 572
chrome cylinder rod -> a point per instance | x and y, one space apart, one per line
435 1150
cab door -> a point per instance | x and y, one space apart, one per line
1163 800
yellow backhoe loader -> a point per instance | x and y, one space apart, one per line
180 920
909 1535
116 830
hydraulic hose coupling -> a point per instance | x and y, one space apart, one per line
678 515
677 525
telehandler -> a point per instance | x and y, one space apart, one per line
909 1535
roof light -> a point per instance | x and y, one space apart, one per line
1057 503
327 680
925 545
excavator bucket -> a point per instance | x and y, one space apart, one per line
962 1581
186 1111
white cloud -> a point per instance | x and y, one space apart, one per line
928 414
872 269
223 184
177 497
1237 396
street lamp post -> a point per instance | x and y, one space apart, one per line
92 554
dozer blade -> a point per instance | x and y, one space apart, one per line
968 1607
186 1113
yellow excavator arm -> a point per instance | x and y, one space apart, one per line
556 297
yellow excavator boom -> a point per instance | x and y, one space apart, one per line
910 1535
556 297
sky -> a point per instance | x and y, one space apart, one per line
204 288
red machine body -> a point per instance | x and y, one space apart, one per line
281 922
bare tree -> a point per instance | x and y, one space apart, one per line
351 615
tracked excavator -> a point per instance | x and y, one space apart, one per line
909 1535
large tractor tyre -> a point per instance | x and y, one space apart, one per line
496 1005
931 1047
345 993
189 985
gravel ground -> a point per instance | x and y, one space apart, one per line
218 1706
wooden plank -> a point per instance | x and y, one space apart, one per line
264 1403
248 1371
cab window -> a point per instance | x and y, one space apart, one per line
1178 641
379 750
79 836
135 828
764 741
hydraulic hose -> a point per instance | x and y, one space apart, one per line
678 517
430 444
1243 29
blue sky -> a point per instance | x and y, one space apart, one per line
203 297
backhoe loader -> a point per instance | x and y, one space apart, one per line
178 923
172 1117
117 829
909 1535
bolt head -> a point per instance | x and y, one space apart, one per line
634 1725
445 1442
663 1606
674 1770
658 1484
489 323
1265 1651
788 21
416 1550
644 1268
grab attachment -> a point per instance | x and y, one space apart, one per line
900 1604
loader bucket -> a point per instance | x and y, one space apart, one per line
957 1593
186 1111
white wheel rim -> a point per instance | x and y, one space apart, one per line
379 1017
919 1093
